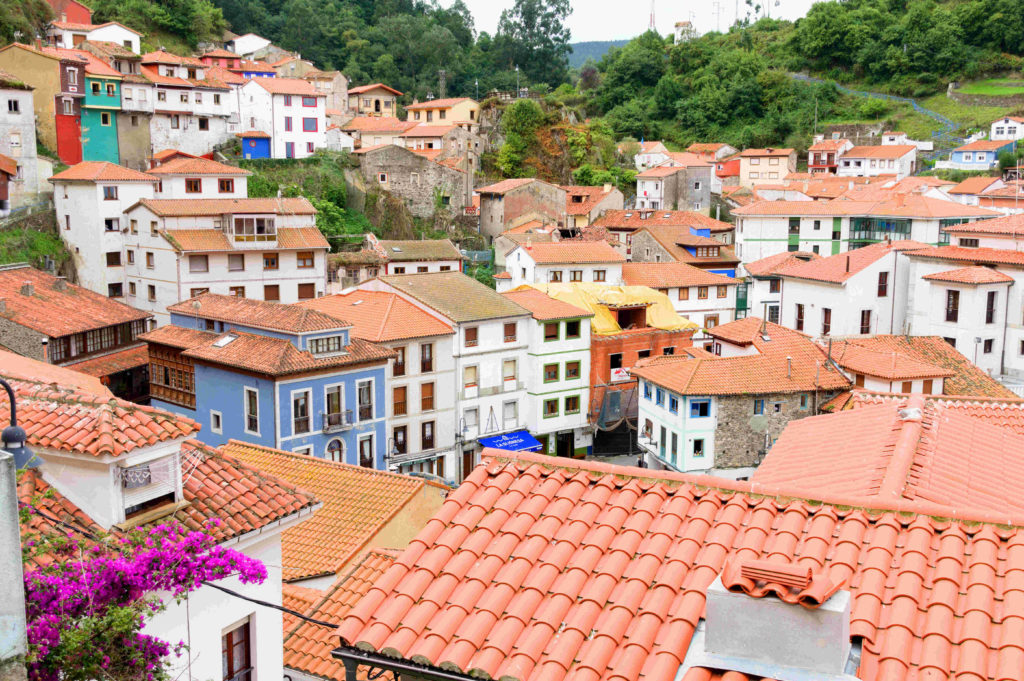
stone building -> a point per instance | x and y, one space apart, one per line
675 187
18 142
691 244
503 203
421 183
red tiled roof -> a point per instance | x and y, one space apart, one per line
377 124
840 267
505 186
223 76
996 411
254 66
676 239
17 366
297 598
262 314
55 312
71 420
985 145
113 363
301 237
220 52
542 568
165 57
184 165
8 166
686 159
981 256
202 240
437 103
705 147
664 275
746 153
35 493
828 145
915 450
424 130
253 134
1012 225
379 317
101 171
358 503
590 197
773 264
201 207
288 86
358 90
573 253
892 366
971 275
973 185
661 171
543 307
886 151
634 219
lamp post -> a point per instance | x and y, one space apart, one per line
460 440
977 340
13 641
13 437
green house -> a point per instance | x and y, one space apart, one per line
99 115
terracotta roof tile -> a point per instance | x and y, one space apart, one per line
985 145
203 207
748 153
379 317
437 103
915 449
288 86
539 568
978 256
663 275
262 314
8 166
58 312
634 219
254 66
677 240
892 151
197 240
253 134
297 598
101 171
661 171
220 52
840 267
357 504
573 253
705 147
26 368
543 307
971 275
113 363
1012 225
773 264
377 124
892 365
36 493
425 130
590 197
505 186
196 166
358 90
417 250
179 337
456 296
301 237
996 411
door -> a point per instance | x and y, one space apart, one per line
468 461
837 226
565 444
289 149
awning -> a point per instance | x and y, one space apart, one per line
516 441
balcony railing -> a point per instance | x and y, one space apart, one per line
335 421
426 366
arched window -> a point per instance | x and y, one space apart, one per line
336 450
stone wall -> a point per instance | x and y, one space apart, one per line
866 134
20 339
646 248
413 179
986 100
740 433
133 141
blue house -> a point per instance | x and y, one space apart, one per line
980 155
277 375
255 144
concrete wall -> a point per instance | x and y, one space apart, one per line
740 434
18 141
134 142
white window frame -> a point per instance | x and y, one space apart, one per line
373 451
341 391
307 450
220 418
245 410
309 408
373 401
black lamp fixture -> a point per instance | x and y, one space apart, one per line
13 437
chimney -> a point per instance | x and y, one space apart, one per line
27 289
60 284
607 188
63 16
847 263
789 367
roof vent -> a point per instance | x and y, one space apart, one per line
27 289
910 414
225 341
358 302
60 284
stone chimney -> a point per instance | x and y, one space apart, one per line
27 289
60 284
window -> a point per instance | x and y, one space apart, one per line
398 366
643 354
710 321
550 408
115 290
151 293
551 331
236 262
799 317
109 194
470 337
659 397
131 256
427 435
399 404
599 275
952 305
469 376
615 360
149 260
287 123
865 321
803 401
510 332
364 398
399 270
300 413
153 231
252 411
555 276
758 406
826 321
95 88
236 654
12 106
427 397
508 370
700 409
271 292
648 391
723 291
114 259
193 185
225 185
702 292
68 107
216 99
198 263
550 373
216 421
575 275
669 350
968 243
270 261
990 308
366 456
309 101
572 404
426 358
382 178
883 284
309 125
572 329
307 291
111 224
175 122
471 417
774 285
986 346
304 259
236 291
698 447
572 370
161 96
684 293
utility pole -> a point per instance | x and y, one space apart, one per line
718 16
442 83
652 26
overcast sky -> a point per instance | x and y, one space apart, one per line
617 19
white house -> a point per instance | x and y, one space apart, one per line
265 249
421 397
1008 128
562 261
184 177
68 34
90 200
871 161
860 292
337 139
18 142
557 373
1003 232
490 352
764 285
651 154
968 191
705 298
876 363
290 110
248 44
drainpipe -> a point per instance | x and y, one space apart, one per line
892 291
1006 323
277 416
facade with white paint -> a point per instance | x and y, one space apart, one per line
290 110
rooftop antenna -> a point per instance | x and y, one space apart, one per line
652 26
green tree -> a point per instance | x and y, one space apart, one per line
533 36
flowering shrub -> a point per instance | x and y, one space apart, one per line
87 607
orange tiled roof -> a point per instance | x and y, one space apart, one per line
71 420
425 130
360 89
378 316
288 238
886 151
114 362
676 239
17 366
892 366
543 307
664 275
828 145
253 134
971 275
201 207
978 256
184 165
301 237
973 185
622 558
840 267
254 66
34 492
308 647
101 171
766 267
297 598
705 147
634 219
1012 225
288 86
891 451
506 186
357 504
437 103
985 145
573 253
366 124
429 154
56 312
262 314
220 52
8 166
747 153
661 171
591 196
996 411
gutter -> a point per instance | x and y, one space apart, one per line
353 657
282 523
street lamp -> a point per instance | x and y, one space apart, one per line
460 441
517 82
13 437
977 340
390 453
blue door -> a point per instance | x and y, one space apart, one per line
289 149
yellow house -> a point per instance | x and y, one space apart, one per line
460 110
43 72
373 100
766 166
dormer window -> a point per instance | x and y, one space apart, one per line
255 229
148 486
325 346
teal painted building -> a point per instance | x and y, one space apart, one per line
99 117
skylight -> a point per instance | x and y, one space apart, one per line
224 341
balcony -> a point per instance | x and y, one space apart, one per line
337 421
